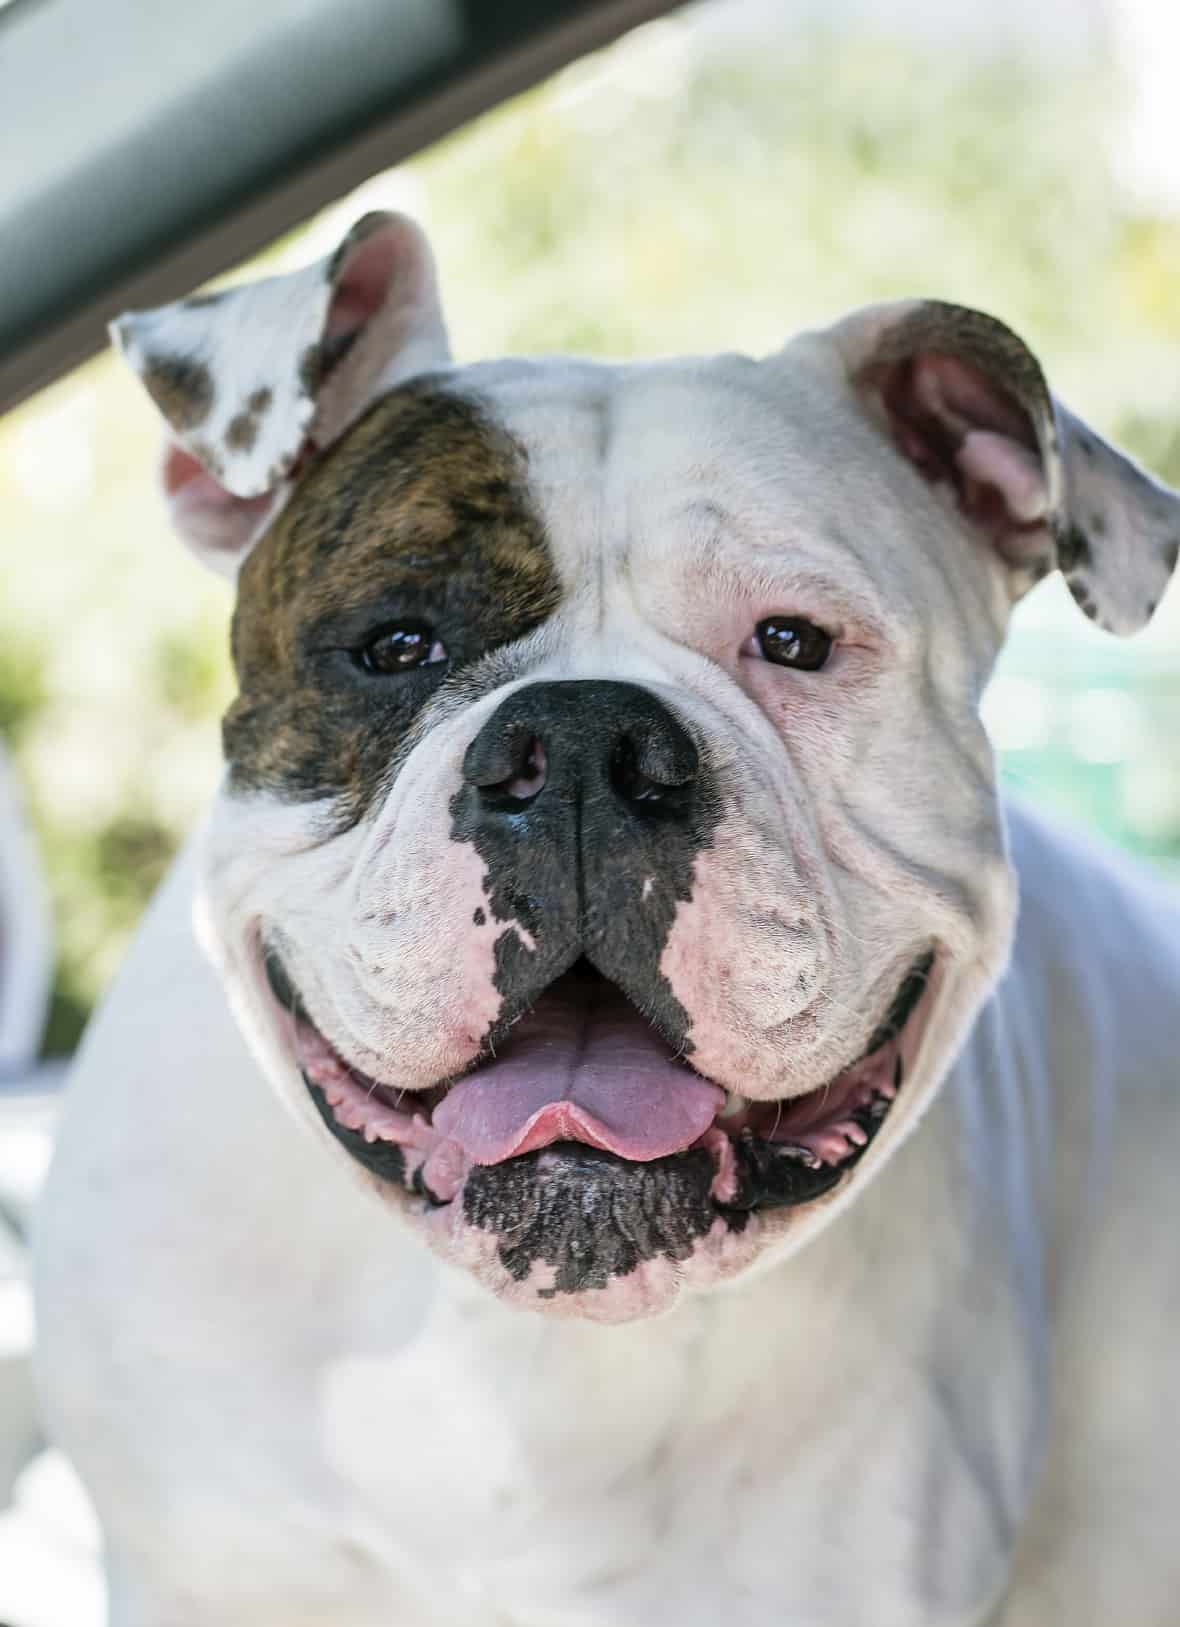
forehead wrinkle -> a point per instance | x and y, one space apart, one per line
743 566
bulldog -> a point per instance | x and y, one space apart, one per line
615 1158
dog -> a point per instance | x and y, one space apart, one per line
617 1155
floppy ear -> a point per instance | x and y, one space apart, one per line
254 381
965 400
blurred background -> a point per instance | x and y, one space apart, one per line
714 180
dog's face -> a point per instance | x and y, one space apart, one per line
609 862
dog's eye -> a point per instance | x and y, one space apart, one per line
400 647
789 641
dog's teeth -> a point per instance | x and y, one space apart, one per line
734 1104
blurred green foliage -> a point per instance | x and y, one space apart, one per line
664 195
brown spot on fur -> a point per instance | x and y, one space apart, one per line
1073 551
318 360
310 370
258 401
181 388
1080 589
420 511
242 432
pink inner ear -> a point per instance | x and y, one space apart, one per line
955 425
1015 472
208 517
966 397
181 469
362 289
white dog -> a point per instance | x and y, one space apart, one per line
607 880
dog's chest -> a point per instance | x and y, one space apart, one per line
553 1473
548 1479
695 1470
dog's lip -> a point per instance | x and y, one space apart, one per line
779 1153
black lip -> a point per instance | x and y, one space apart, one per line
911 991
281 985
382 1158
778 1175
770 1175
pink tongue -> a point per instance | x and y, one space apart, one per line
582 1066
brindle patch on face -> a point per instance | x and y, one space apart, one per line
180 387
420 513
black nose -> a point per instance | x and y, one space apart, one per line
582 740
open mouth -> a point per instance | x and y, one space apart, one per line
583 1072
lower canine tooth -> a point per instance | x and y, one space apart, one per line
734 1104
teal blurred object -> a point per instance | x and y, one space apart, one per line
1090 725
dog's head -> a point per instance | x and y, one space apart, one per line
609 863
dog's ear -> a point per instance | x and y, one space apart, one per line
254 381
965 400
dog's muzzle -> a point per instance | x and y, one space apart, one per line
581 1137
587 1145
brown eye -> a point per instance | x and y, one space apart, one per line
789 641
400 648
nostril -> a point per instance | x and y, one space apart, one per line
571 741
528 776
531 777
650 779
